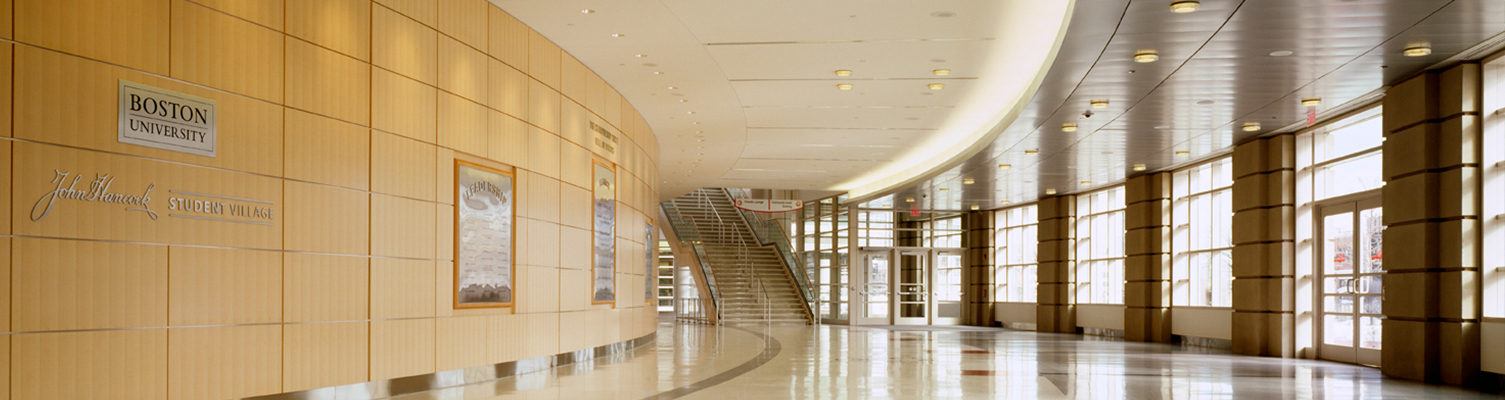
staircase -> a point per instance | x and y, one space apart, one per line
755 286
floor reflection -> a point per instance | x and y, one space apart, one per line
692 361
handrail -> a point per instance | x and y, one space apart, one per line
773 234
689 235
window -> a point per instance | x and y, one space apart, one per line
942 232
1202 230
1494 188
1346 156
824 245
1100 247
1014 253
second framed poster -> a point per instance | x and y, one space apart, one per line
484 202
604 246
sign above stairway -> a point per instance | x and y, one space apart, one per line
768 206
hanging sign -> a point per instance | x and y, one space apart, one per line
164 119
768 206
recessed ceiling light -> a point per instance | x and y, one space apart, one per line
695 123
1162 127
1099 104
844 86
1184 6
1139 167
683 100
1085 183
1004 166
587 11
843 72
640 55
968 181
942 72
1146 57
1251 126
1183 153
909 199
657 73
975 207
672 88
1068 127
1281 53
944 189
1311 101
699 131
1031 152
888 205
689 112
943 14
1003 202
936 86
1050 191
1417 51
617 35
1205 102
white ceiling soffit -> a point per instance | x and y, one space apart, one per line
744 93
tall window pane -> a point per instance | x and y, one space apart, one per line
1202 244
1015 248
1100 247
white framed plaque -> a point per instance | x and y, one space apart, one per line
484 236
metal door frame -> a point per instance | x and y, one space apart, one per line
1352 204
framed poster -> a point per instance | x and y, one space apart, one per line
650 263
484 241
604 246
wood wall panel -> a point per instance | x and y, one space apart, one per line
223 287
444 177
507 89
595 95
574 125
462 124
613 115
504 338
572 81
326 219
543 154
404 106
543 198
5 291
423 11
543 59
444 288
328 151
327 83
543 106
5 367
118 365
574 290
402 227
404 46
574 247
465 20
402 166
226 52
401 348
543 244
402 288
572 329
5 179
522 242
461 342
268 13
340 25
463 70
575 209
509 39
507 139
7 29
542 338
317 287
79 96
325 354
575 167
444 232
7 68
91 29
69 284
224 362
539 289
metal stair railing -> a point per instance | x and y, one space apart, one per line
728 236
772 233
688 235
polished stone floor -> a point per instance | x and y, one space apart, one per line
691 361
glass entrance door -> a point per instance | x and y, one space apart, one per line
1352 273
947 294
872 297
912 289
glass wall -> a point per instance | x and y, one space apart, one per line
823 243
1014 254
665 276
1202 247
1100 247
1493 345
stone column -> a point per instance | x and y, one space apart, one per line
1432 208
1056 293
1147 292
978 276
1263 246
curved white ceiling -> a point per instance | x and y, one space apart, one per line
744 94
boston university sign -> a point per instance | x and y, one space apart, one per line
168 120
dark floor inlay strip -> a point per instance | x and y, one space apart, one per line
771 349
